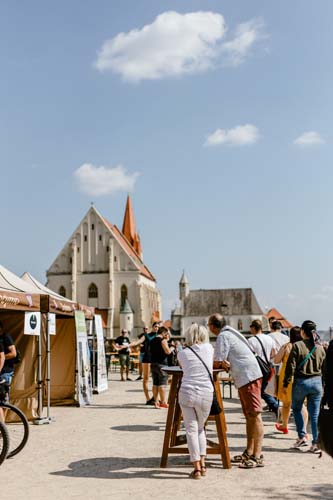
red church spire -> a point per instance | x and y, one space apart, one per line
129 228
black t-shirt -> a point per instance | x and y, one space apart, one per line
123 340
157 352
147 354
7 341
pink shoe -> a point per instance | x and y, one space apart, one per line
164 405
279 428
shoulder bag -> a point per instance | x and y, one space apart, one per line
266 367
215 408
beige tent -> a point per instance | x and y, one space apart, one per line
16 298
62 346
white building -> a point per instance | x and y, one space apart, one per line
239 306
102 267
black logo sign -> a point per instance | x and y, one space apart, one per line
33 321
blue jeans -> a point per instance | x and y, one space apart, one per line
312 389
271 401
7 377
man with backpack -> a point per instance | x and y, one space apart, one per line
7 371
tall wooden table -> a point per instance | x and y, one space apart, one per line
172 442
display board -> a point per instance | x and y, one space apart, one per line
83 379
102 379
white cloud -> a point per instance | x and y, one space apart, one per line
175 44
311 138
241 135
100 181
245 37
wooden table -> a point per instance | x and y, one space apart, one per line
172 442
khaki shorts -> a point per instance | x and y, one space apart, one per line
250 396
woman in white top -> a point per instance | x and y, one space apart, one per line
196 394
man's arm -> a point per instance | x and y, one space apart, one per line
168 350
221 352
12 352
2 360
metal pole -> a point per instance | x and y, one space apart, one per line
40 420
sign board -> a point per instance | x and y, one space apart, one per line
51 323
83 378
102 379
32 321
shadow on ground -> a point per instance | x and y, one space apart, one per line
118 468
315 491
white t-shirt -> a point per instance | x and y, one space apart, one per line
195 376
279 338
267 342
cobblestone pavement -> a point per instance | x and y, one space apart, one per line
112 449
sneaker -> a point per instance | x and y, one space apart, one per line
279 428
300 443
139 378
150 402
128 378
314 449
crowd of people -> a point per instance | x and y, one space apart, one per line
301 368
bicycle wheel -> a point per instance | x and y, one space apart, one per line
18 428
4 442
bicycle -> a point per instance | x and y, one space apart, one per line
4 442
16 423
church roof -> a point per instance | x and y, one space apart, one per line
118 235
129 227
230 302
126 308
274 313
183 279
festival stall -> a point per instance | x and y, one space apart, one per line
20 308
66 368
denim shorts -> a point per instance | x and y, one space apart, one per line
159 377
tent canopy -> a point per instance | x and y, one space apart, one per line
17 294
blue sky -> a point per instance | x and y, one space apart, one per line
225 115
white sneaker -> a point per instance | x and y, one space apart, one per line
314 449
300 443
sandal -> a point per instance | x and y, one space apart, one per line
237 459
252 463
203 470
195 474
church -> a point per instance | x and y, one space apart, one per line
103 267
239 306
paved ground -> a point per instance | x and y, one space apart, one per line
112 450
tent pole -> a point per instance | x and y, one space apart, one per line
40 420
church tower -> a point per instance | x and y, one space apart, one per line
184 287
129 228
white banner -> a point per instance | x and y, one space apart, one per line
52 323
32 321
83 379
102 379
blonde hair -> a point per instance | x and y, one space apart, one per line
195 334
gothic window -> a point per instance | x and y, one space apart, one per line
100 237
85 237
92 291
123 294
62 291
92 227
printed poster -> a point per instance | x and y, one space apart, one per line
51 323
32 322
83 379
102 379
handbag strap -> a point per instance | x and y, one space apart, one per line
202 361
306 358
262 347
